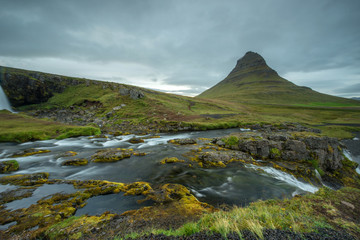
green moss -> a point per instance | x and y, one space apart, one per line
171 160
348 163
25 179
9 166
275 152
231 141
75 162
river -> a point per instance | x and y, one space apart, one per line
237 184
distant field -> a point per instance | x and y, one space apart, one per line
329 104
22 128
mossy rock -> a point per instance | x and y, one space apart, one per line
75 162
231 141
136 140
171 160
138 188
30 152
9 166
139 153
68 154
183 141
111 155
25 179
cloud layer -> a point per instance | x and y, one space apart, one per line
185 46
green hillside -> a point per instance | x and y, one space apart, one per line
253 81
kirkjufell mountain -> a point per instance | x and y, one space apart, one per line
253 81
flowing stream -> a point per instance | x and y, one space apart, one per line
237 184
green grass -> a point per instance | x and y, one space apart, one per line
329 104
299 214
22 128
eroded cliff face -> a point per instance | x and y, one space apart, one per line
24 87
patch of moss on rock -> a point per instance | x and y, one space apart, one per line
171 160
135 140
231 140
75 162
68 154
30 152
111 155
25 179
183 141
9 166
275 153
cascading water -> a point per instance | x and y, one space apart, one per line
4 102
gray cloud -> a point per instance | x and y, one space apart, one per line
194 44
350 90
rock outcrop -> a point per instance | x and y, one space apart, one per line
325 151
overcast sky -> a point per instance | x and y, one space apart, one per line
185 46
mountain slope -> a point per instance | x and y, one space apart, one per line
253 81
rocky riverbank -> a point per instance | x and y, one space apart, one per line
52 217
305 155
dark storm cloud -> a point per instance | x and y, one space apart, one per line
193 44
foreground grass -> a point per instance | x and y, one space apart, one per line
324 209
22 128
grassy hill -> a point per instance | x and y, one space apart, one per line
253 81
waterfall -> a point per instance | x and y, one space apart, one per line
4 102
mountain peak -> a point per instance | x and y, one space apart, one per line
250 60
